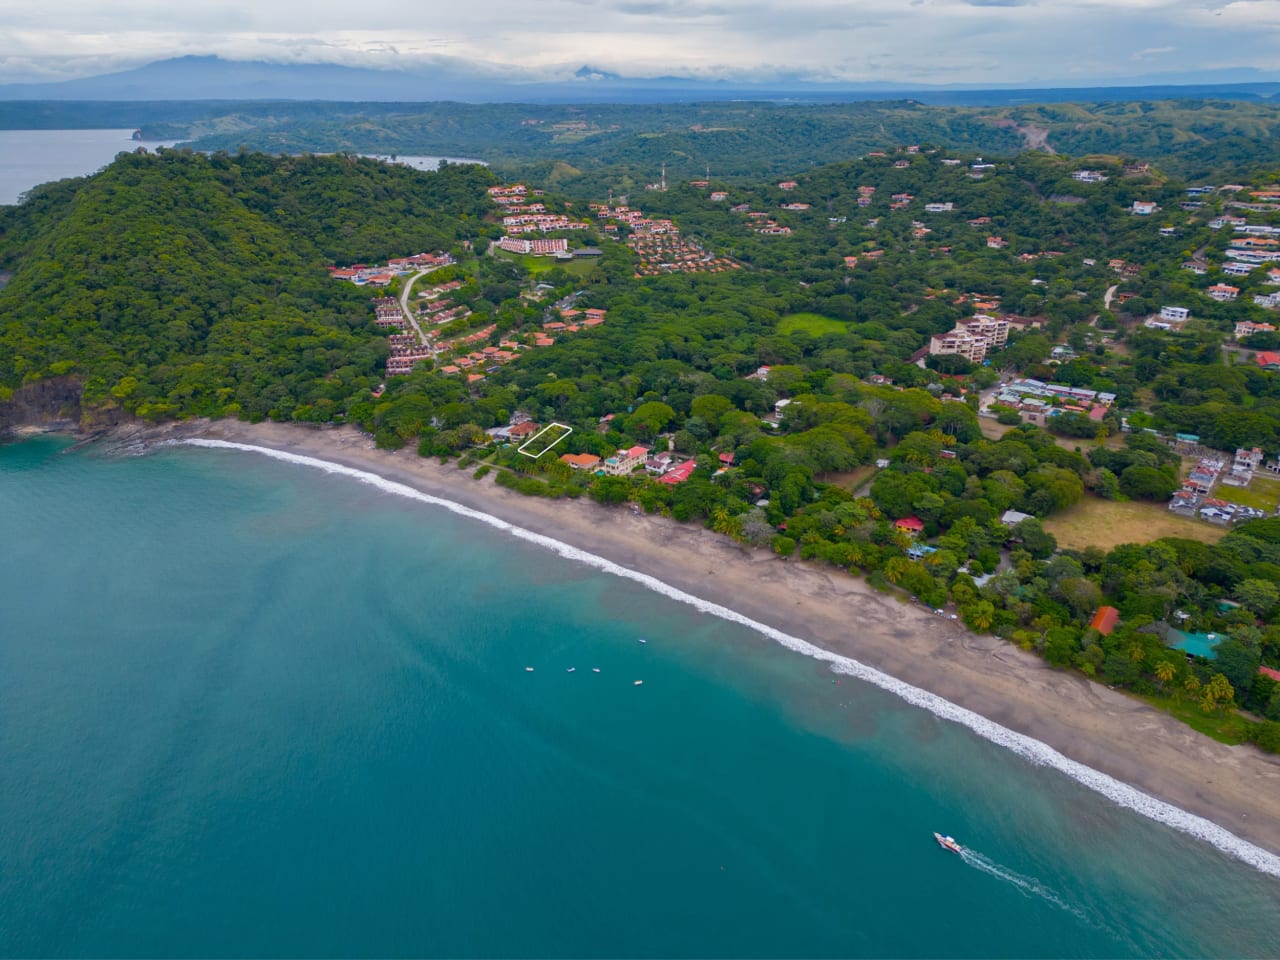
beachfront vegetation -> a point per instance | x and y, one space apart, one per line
180 285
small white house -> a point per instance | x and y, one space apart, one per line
1175 314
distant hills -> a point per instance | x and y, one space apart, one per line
214 78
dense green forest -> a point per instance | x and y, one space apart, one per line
1192 138
181 284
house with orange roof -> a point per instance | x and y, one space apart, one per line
581 461
1268 360
1104 621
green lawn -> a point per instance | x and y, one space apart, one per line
1228 727
814 324
536 265
1263 493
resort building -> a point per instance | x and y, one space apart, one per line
972 338
624 461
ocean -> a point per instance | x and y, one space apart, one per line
32 157
250 708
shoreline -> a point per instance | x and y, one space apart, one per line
1236 788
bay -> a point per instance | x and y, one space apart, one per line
29 158
32 157
247 708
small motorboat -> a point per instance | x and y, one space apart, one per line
528 669
595 669
948 843
641 640
571 670
637 683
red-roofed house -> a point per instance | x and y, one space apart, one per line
1270 672
726 459
1268 359
913 525
522 431
581 461
679 473
1104 621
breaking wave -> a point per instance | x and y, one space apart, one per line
1026 747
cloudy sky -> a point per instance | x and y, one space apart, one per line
1076 42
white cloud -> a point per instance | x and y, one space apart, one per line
939 41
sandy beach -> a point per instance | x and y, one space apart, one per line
1235 787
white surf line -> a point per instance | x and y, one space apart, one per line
1029 748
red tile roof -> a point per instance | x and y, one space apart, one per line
679 474
910 523
1104 621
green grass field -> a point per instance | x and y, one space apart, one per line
814 324
1263 493
536 265
1106 524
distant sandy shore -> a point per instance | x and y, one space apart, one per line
1235 787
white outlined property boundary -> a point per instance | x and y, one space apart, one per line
563 426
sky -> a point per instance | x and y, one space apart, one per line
1069 42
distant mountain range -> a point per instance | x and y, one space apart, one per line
213 78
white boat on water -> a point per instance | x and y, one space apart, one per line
637 683
948 843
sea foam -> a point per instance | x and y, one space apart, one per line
1029 748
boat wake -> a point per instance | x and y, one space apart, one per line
1035 751
1030 886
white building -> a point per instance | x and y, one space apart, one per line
1175 314
972 338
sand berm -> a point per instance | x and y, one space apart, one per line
1237 787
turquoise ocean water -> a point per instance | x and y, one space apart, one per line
247 708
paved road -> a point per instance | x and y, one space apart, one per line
404 302
1109 296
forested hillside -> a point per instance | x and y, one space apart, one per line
181 283
743 139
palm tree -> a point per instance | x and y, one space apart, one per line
1191 685
896 569
980 615
1164 672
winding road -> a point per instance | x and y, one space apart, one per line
404 303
